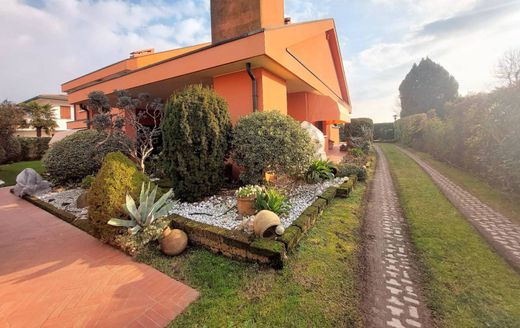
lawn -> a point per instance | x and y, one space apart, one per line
507 204
8 172
465 282
316 288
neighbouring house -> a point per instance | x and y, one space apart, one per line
63 113
257 60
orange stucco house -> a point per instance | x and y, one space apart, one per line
257 60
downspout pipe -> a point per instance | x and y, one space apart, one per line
254 90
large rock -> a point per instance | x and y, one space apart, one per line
29 182
317 138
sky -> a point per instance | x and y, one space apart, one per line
48 42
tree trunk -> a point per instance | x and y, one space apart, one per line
39 132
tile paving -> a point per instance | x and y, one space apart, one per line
55 275
393 296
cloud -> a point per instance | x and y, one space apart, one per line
467 40
50 42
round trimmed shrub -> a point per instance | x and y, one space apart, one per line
13 149
196 140
271 141
117 177
81 154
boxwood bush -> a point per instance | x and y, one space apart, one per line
196 141
117 177
270 141
33 148
13 149
81 154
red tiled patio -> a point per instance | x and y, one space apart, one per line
55 275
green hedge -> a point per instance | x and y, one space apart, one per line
33 148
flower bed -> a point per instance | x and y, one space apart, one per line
220 210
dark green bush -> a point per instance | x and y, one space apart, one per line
3 156
272 200
356 152
86 182
13 150
117 177
361 128
271 141
384 131
33 148
346 170
320 170
196 141
81 154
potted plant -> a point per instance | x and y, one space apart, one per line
246 197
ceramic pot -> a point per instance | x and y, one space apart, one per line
246 206
270 176
265 224
173 242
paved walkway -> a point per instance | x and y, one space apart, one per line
55 275
498 230
393 298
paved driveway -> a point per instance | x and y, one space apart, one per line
55 275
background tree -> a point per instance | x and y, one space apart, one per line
144 115
508 68
427 86
11 116
41 117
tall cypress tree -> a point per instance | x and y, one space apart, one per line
196 140
427 86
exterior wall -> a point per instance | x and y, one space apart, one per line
236 88
59 109
273 93
297 106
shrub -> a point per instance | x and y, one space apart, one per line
270 141
3 156
33 148
196 141
320 170
86 182
346 170
13 150
117 177
81 154
384 131
249 191
360 128
357 152
272 200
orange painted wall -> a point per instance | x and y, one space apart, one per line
236 88
297 105
273 92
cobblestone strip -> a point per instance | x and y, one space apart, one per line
499 231
393 298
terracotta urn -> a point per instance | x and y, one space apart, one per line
173 241
246 205
265 223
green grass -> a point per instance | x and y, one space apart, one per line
507 204
465 282
8 172
317 287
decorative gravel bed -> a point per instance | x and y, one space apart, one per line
218 210
65 200
221 211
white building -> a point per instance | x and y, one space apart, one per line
63 113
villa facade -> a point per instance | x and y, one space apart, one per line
257 60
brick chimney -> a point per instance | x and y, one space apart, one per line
233 18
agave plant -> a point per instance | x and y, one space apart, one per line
147 212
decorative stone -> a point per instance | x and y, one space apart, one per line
82 200
173 242
29 182
317 138
279 230
2 182
265 223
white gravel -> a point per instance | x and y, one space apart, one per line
65 200
221 211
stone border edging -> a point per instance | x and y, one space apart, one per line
237 244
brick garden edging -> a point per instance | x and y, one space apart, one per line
237 244
241 246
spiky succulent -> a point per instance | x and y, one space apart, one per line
147 212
